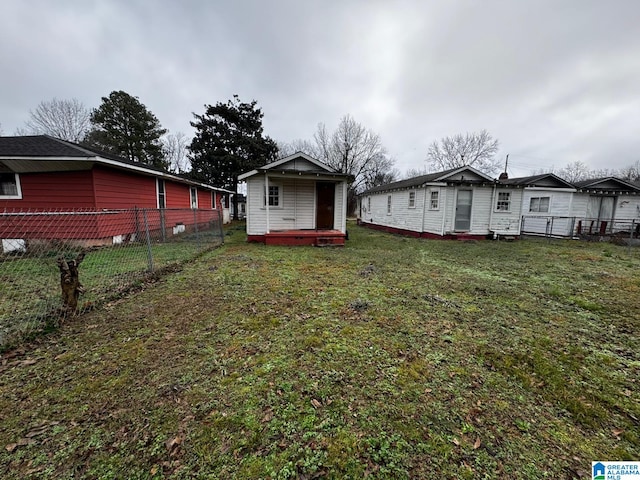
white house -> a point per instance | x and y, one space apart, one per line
546 204
296 200
605 205
458 203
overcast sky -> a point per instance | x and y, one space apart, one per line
554 81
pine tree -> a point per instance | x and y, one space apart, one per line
123 126
229 141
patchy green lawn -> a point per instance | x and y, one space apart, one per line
390 358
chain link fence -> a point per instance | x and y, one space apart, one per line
52 259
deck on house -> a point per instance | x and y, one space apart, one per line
318 238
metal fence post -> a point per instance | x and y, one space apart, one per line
146 228
633 221
220 218
195 224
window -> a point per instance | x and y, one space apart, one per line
412 199
193 193
539 204
433 205
388 204
213 200
504 202
10 186
368 204
162 196
274 195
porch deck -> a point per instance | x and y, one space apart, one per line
317 238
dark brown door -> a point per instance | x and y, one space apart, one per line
325 204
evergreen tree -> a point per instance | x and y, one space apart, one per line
123 126
229 141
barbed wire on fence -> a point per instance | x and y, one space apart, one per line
119 248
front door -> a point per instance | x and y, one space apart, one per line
325 203
463 211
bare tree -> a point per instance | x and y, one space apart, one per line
575 171
354 150
174 146
64 119
414 172
305 146
473 149
631 173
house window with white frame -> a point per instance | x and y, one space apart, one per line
162 195
539 204
193 193
274 196
434 203
388 204
368 204
10 186
504 202
412 199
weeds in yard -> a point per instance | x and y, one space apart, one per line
389 358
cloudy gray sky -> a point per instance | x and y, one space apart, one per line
554 81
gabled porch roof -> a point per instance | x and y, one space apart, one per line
297 165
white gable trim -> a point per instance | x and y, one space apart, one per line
464 169
272 165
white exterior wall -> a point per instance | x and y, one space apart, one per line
297 209
628 207
560 205
442 220
433 219
256 215
507 223
401 215
579 204
340 211
483 203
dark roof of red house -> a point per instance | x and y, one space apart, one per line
47 146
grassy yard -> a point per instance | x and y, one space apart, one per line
30 286
390 358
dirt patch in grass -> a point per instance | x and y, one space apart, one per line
389 358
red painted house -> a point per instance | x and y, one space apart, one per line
95 190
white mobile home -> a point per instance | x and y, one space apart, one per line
458 203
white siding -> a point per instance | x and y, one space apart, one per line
401 215
540 222
340 215
433 218
297 164
256 215
297 209
507 223
579 204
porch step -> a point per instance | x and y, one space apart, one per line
330 242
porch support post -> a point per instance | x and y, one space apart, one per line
266 198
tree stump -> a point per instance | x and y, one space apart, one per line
70 283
